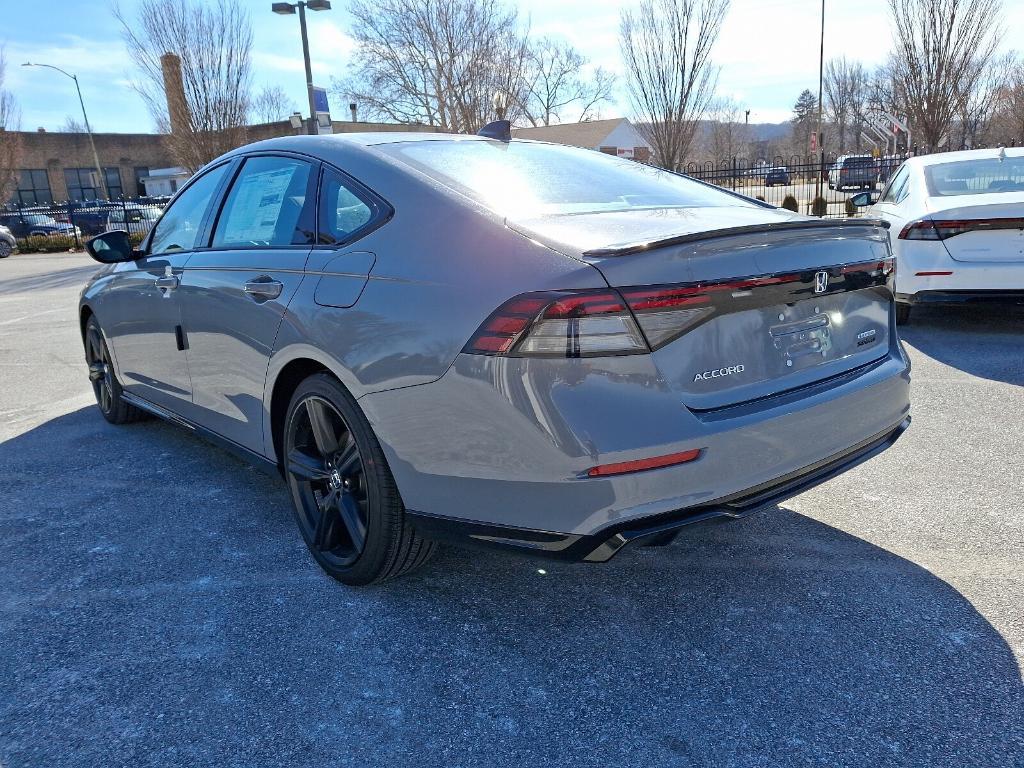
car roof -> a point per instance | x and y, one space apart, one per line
967 154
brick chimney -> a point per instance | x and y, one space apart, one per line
174 90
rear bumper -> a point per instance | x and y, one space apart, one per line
506 443
962 297
602 545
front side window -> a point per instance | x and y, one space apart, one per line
341 212
267 205
180 226
524 179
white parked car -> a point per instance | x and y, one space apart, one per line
957 227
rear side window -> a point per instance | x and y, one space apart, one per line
975 177
267 205
178 230
342 212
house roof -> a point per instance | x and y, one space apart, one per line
587 134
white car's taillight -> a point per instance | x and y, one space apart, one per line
943 229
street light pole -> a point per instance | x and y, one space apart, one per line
287 9
101 179
821 80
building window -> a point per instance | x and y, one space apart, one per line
141 172
33 187
610 150
81 183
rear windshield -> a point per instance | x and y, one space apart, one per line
975 177
522 179
858 162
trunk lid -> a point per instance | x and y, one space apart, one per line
762 306
991 226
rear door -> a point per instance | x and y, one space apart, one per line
235 293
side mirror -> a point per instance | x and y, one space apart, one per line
864 199
111 247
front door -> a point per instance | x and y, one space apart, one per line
234 295
142 310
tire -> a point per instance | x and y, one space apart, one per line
6 249
902 313
344 497
105 385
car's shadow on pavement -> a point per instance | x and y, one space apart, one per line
158 608
985 340
60 278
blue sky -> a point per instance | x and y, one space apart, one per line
768 51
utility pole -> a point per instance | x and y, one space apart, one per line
101 180
821 81
288 9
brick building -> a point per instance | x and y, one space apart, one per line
55 167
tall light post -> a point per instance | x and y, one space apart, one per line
101 179
288 9
821 80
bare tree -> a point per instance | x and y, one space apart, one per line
272 104
666 50
10 144
213 41
939 46
1006 126
845 100
555 84
726 135
437 62
72 125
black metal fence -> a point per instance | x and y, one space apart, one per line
818 186
64 226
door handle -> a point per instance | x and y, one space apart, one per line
167 281
263 289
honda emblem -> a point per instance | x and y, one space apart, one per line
820 281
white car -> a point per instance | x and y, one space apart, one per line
956 227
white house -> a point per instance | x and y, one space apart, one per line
614 137
164 182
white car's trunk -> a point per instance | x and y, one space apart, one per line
994 225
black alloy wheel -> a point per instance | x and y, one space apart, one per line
104 382
327 475
345 500
100 372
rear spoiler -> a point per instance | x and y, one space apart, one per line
624 249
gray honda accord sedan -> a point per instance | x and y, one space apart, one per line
512 343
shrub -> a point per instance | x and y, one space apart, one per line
851 209
760 197
790 204
43 244
819 207
137 237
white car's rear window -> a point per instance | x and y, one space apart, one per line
524 180
983 176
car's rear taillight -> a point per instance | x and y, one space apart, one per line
560 324
943 229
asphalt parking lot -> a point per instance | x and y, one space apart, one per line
157 606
